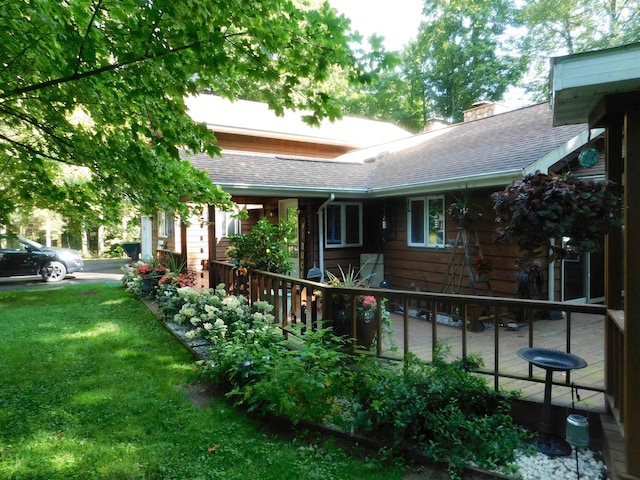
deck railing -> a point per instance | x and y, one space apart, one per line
311 305
614 355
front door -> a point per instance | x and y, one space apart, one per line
288 211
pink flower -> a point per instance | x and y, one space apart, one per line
369 301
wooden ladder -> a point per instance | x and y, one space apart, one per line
466 246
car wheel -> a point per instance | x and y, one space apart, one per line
53 271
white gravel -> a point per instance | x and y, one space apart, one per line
543 467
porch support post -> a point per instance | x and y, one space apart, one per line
613 273
631 283
212 255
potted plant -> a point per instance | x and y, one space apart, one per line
264 248
366 324
462 211
366 317
481 266
150 273
540 211
340 302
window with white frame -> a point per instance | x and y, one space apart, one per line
425 220
165 224
226 224
343 225
229 223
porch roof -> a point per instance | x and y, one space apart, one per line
481 153
242 173
580 81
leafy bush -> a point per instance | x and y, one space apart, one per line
304 383
214 311
264 248
540 207
442 409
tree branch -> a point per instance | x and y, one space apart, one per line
97 71
31 121
29 148
86 34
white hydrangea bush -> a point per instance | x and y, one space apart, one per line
211 313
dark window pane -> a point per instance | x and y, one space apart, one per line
352 215
417 221
334 233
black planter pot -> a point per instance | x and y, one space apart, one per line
341 321
367 328
150 285
366 324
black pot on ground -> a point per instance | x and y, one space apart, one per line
150 285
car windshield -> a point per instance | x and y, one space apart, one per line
31 243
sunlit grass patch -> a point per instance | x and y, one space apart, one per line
93 387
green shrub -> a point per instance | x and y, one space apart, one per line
304 383
264 248
442 409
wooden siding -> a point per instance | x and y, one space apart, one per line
196 249
252 143
425 268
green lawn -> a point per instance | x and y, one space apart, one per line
93 387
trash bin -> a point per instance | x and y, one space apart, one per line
132 249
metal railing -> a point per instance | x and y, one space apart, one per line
312 305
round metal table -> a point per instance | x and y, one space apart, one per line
550 361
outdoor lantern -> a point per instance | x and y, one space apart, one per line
577 433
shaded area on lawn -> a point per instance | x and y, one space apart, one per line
94 387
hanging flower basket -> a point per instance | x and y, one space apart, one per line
539 211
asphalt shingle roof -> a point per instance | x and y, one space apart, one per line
503 142
244 170
500 143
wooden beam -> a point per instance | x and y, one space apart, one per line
632 287
611 107
613 278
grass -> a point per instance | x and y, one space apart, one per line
94 387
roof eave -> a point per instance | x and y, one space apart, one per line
544 163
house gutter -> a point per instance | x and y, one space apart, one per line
321 210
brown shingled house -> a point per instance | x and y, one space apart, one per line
385 205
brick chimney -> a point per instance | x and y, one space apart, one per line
483 109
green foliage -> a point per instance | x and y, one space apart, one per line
94 388
305 382
539 208
349 278
568 27
460 55
442 409
264 248
93 108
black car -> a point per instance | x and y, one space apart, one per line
20 257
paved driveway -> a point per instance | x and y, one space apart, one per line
94 271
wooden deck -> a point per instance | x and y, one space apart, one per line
587 334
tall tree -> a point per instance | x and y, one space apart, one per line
553 28
463 55
92 92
